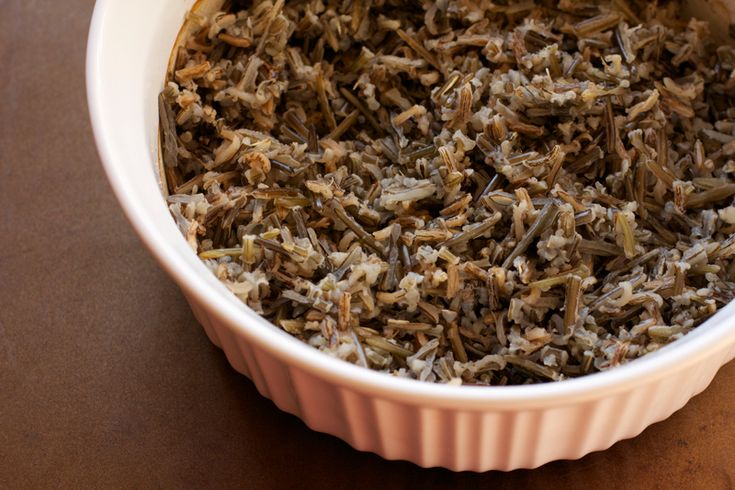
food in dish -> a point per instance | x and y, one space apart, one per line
459 192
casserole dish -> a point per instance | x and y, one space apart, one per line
457 427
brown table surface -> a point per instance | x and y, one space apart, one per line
106 378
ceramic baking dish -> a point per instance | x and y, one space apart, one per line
457 427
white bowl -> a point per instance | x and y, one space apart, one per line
457 427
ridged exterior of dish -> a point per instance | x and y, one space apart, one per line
475 440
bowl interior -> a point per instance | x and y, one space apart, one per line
128 54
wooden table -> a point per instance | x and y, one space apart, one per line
106 380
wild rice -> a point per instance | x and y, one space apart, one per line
475 192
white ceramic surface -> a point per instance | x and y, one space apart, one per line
457 427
